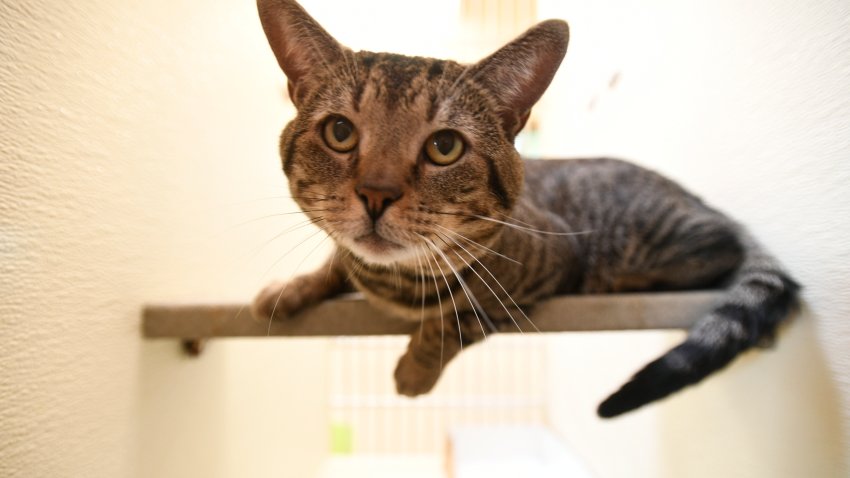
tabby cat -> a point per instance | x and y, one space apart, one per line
408 164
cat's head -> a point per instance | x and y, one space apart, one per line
393 154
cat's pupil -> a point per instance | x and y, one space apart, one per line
445 142
341 130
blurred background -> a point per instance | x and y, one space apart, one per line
138 164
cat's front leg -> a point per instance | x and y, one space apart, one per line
430 350
284 299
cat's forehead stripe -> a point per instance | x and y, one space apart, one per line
398 80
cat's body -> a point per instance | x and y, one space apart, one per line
408 164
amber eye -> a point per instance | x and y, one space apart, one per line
444 147
340 134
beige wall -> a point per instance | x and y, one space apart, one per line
136 136
747 104
132 133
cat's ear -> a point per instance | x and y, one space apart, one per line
300 44
519 72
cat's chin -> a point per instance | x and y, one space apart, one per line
374 249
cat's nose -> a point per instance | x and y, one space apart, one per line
377 198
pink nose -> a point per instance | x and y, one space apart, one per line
377 198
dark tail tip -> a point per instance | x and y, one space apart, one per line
684 365
615 405
654 381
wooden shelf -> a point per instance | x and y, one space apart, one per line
352 315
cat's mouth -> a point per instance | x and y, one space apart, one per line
375 248
376 243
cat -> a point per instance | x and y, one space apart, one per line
408 164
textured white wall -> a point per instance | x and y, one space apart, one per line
747 104
130 134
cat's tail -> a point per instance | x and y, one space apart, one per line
761 295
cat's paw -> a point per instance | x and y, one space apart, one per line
412 378
278 300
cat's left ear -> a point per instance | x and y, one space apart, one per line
519 72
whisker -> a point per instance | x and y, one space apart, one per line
440 302
355 271
490 288
397 274
294 274
269 216
479 245
449 288
513 226
331 266
293 228
421 289
469 295
465 286
270 198
274 308
242 307
290 251
482 279
529 229
499 283
508 217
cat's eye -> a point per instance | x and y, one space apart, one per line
339 134
444 147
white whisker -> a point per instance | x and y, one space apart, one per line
484 281
530 229
479 245
440 302
290 251
508 217
331 265
294 274
242 307
269 198
476 307
499 283
449 288
253 253
416 287
269 216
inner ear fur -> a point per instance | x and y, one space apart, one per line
302 47
518 73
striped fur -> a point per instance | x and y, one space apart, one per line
469 248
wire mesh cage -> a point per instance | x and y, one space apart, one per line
502 382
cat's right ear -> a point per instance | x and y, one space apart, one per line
299 43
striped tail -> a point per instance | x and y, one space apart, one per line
759 298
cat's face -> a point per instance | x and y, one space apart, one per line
394 156
390 151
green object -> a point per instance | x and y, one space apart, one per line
341 439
